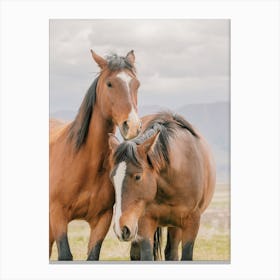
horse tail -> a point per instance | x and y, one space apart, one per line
157 244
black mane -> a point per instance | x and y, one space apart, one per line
80 126
116 62
127 151
164 122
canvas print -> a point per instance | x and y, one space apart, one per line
139 140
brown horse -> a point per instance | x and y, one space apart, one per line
174 237
80 187
164 177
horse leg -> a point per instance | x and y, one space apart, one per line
189 233
157 244
98 230
135 251
174 237
59 229
147 228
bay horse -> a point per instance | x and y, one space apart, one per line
80 187
164 177
174 237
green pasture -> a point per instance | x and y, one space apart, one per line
212 243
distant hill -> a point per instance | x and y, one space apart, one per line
211 119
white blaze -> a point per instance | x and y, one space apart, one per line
118 182
133 117
125 78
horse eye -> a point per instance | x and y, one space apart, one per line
109 84
137 177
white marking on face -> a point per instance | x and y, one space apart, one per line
118 182
125 78
133 117
134 124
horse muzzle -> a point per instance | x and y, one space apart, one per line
126 234
130 128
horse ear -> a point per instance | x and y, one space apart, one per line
102 63
131 57
113 142
149 144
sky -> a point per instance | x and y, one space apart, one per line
178 62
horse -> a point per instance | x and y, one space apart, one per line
165 177
171 249
80 187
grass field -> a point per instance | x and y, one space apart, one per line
212 243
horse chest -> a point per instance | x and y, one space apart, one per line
102 200
80 205
168 215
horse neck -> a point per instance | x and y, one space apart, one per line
97 138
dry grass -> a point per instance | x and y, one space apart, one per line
212 243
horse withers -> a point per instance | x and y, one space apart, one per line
80 187
163 177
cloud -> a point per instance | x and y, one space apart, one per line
185 58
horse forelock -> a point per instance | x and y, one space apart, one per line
127 151
116 62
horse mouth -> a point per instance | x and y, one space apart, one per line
128 136
130 131
126 234
123 134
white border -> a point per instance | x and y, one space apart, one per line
254 135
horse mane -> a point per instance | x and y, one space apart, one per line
116 62
79 128
127 151
164 122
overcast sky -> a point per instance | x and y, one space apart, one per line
178 62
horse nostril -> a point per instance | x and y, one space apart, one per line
139 128
125 127
125 233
